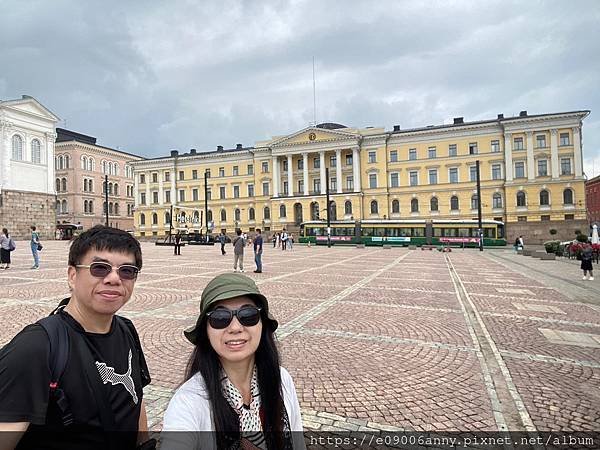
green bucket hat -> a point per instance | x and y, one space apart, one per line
224 287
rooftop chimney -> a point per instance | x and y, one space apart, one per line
500 116
238 146
396 127
219 148
192 151
458 120
174 153
523 114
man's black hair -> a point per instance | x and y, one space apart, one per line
102 238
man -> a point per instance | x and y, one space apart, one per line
177 248
222 241
105 369
258 249
238 251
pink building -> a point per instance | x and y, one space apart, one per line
81 166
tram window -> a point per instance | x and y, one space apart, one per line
406 232
451 232
437 232
367 231
418 232
489 233
500 231
393 232
464 232
379 231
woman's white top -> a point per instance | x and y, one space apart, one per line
190 410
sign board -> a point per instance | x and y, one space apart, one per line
390 239
460 240
334 238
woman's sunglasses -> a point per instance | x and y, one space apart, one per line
102 269
220 318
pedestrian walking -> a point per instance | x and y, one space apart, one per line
7 245
238 251
177 248
235 393
587 254
274 240
36 247
75 379
519 243
222 240
290 241
278 239
258 249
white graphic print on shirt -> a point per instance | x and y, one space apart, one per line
108 374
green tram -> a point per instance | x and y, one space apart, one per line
378 232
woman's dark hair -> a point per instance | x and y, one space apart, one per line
33 227
205 360
5 231
104 238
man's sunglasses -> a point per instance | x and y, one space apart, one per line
220 318
102 270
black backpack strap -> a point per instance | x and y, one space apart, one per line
136 339
58 335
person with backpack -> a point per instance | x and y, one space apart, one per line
36 246
74 379
7 245
238 251
587 254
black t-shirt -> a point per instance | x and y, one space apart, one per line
25 379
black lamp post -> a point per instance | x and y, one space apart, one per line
479 218
328 207
106 198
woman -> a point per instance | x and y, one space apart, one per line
234 385
35 244
586 262
7 245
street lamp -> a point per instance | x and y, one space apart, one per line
106 198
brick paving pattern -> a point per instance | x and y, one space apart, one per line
375 339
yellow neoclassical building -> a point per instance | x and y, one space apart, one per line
530 167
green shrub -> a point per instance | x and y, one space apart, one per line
552 246
560 251
582 237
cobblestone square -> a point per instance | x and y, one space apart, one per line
388 339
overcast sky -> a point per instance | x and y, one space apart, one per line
151 76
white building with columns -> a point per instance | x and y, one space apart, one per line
27 195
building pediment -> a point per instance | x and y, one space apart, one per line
30 106
313 139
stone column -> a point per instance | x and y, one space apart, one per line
577 152
136 190
161 196
6 155
530 158
322 166
275 176
290 162
148 198
174 189
356 169
305 172
338 170
508 162
554 153
49 155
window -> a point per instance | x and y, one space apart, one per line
265 167
332 161
495 146
167 176
348 160
431 152
142 178
317 163
155 178
236 192
167 196
194 174
142 198
395 207
520 169
181 195
347 207
473 173
251 214
250 169
221 172
17 148
413 178
36 152
181 175
195 195
372 157
412 154
237 215
414 205
542 168
454 203
394 156
350 183
453 175
333 184
282 211
317 185
433 204
265 189
496 172
544 198
223 215
568 197
497 200
521 218
374 207
209 194
84 162
521 199
394 180
167 217
452 150
564 139
154 197
142 217
222 192
433 178
286 188
301 186
540 140
285 166
518 143
372 180
474 201
207 172
565 166
235 171
58 185
569 216
154 219
266 213
473 148
250 190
